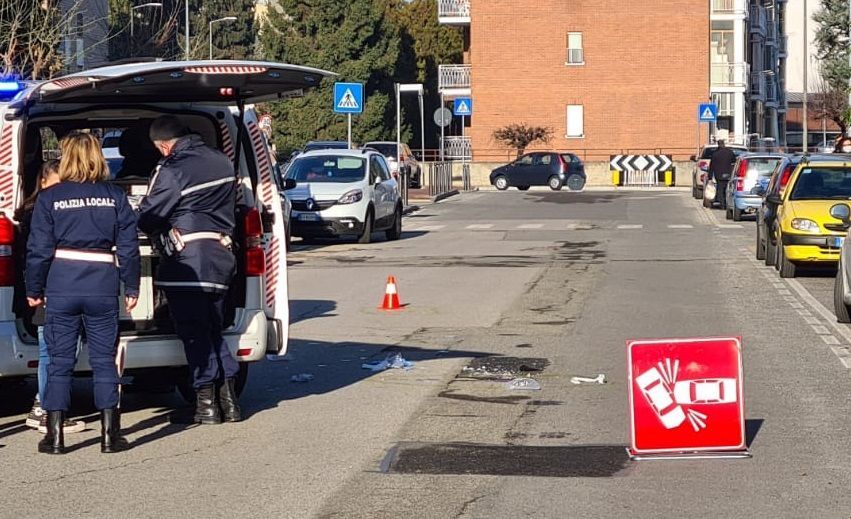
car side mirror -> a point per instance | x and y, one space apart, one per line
774 199
841 212
693 158
289 183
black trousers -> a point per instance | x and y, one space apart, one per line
721 192
198 320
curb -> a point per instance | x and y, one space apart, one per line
410 209
442 196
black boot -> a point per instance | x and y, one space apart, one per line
227 399
206 408
110 432
54 441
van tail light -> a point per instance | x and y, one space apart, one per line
255 256
784 178
7 258
743 168
703 164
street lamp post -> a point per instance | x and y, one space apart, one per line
133 15
225 19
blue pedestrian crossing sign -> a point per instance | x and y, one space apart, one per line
707 112
348 98
463 106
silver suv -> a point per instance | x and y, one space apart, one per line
410 166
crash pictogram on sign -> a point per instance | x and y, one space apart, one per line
686 396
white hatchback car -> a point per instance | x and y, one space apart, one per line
344 192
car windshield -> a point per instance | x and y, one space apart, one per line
707 152
762 167
388 150
327 169
822 183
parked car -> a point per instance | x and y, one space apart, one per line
541 168
806 232
408 161
751 173
344 192
701 166
326 145
842 282
121 97
767 211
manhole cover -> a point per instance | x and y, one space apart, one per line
587 461
503 368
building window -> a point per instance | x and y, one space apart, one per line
575 122
726 106
575 54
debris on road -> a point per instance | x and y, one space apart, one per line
503 368
525 384
302 377
394 361
599 379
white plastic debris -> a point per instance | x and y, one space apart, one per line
524 384
394 361
302 377
599 379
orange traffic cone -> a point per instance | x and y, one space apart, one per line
391 296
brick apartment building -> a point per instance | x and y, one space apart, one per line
610 76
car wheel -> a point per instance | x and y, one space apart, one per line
707 203
760 247
843 313
395 232
770 252
575 182
694 192
555 183
287 237
786 267
737 214
728 214
523 188
501 183
366 235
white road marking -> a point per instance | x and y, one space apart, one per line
729 226
784 292
480 226
428 228
821 330
841 329
795 304
681 226
531 226
811 319
631 226
829 339
843 354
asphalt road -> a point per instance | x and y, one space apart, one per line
544 283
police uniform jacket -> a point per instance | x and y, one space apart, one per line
721 163
74 230
193 191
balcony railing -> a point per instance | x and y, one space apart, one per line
457 148
771 92
757 19
771 33
729 75
757 85
453 76
729 7
782 43
453 11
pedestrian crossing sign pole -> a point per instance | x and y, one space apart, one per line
706 113
348 99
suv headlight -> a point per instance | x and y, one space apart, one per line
805 225
352 197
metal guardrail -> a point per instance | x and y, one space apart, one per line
457 148
453 8
439 178
453 76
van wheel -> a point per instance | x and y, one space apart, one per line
843 315
395 232
737 214
501 183
787 268
366 235
187 392
760 247
555 183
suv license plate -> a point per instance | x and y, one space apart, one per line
308 217
837 241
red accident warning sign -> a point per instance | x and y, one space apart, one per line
685 395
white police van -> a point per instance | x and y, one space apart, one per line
214 99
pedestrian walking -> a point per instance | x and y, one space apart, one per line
73 271
48 176
189 212
721 169
843 145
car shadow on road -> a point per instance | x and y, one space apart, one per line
313 244
333 365
572 197
306 309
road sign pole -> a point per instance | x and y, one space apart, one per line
350 130
442 105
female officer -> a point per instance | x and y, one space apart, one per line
76 226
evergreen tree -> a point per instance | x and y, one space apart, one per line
833 43
357 40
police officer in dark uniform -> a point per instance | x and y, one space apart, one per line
83 241
189 213
721 169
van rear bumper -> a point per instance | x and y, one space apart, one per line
248 336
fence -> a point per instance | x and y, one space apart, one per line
439 178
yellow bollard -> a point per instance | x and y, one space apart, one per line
616 177
670 179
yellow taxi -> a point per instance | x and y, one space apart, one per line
805 228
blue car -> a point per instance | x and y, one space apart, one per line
751 174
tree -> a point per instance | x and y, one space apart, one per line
154 30
831 103
355 39
30 33
520 136
833 46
